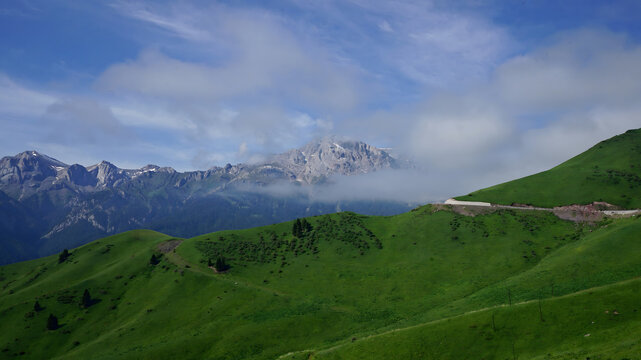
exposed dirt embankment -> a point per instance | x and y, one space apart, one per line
168 246
579 213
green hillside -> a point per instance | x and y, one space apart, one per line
610 171
412 278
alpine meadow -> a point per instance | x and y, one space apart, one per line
440 281
320 180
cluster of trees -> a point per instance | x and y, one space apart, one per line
271 248
474 224
261 251
301 228
352 231
64 255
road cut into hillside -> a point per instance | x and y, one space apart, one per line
575 212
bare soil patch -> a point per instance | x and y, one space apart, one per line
590 212
169 245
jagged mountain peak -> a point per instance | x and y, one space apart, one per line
103 164
107 174
28 166
331 155
150 167
311 163
34 156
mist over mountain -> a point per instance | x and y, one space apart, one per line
48 205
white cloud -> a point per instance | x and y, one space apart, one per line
385 26
242 149
452 132
181 26
538 110
17 100
580 68
81 120
431 82
575 133
255 73
261 59
144 115
435 46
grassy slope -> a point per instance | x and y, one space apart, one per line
610 171
432 264
573 327
567 310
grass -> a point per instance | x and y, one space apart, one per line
426 284
351 276
604 323
610 171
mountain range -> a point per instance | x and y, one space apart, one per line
438 282
47 205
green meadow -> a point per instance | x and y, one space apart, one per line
346 288
431 283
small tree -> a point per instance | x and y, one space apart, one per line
306 226
154 259
221 264
52 322
87 301
297 228
37 307
63 256
209 263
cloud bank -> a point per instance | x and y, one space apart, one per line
459 93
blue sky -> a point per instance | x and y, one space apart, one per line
500 88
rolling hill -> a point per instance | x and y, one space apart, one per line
350 277
438 282
608 172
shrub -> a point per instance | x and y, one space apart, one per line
221 264
87 301
154 259
52 322
63 256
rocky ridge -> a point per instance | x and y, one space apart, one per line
67 205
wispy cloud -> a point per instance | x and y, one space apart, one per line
20 101
537 109
179 26
226 82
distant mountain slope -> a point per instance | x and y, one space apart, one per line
65 205
434 283
610 172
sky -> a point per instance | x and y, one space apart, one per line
474 92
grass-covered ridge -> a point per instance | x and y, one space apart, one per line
431 283
344 277
610 171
